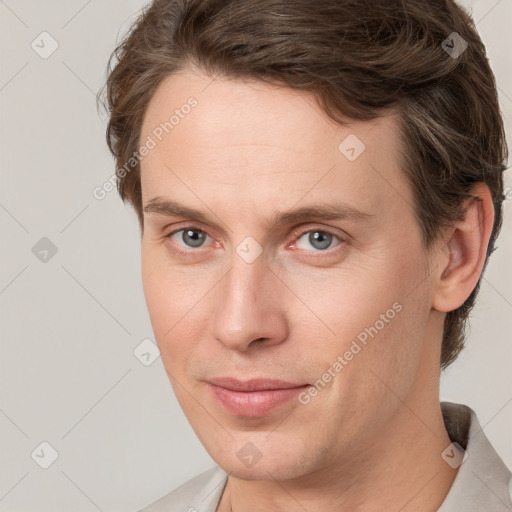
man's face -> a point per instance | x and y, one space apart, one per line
320 290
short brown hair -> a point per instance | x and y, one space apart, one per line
359 58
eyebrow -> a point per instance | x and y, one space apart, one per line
323 211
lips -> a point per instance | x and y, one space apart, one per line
253 384
252 398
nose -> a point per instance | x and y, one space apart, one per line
248 309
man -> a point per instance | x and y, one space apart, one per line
319 187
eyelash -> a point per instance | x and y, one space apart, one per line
297 235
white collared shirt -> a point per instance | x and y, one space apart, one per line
483 482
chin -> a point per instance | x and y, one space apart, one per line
262 471
269 463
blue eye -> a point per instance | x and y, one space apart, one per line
319 239
191 237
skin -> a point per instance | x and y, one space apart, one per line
372 438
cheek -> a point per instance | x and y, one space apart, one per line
176 304
156 294
168 291
342 302
163 299
379 327
373 312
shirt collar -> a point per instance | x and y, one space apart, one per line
483 482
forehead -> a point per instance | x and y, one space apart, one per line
249 112
248 137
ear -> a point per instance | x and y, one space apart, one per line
463 253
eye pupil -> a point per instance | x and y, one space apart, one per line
320 237
193 237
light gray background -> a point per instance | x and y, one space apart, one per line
68 375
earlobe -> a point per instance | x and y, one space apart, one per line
463 254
